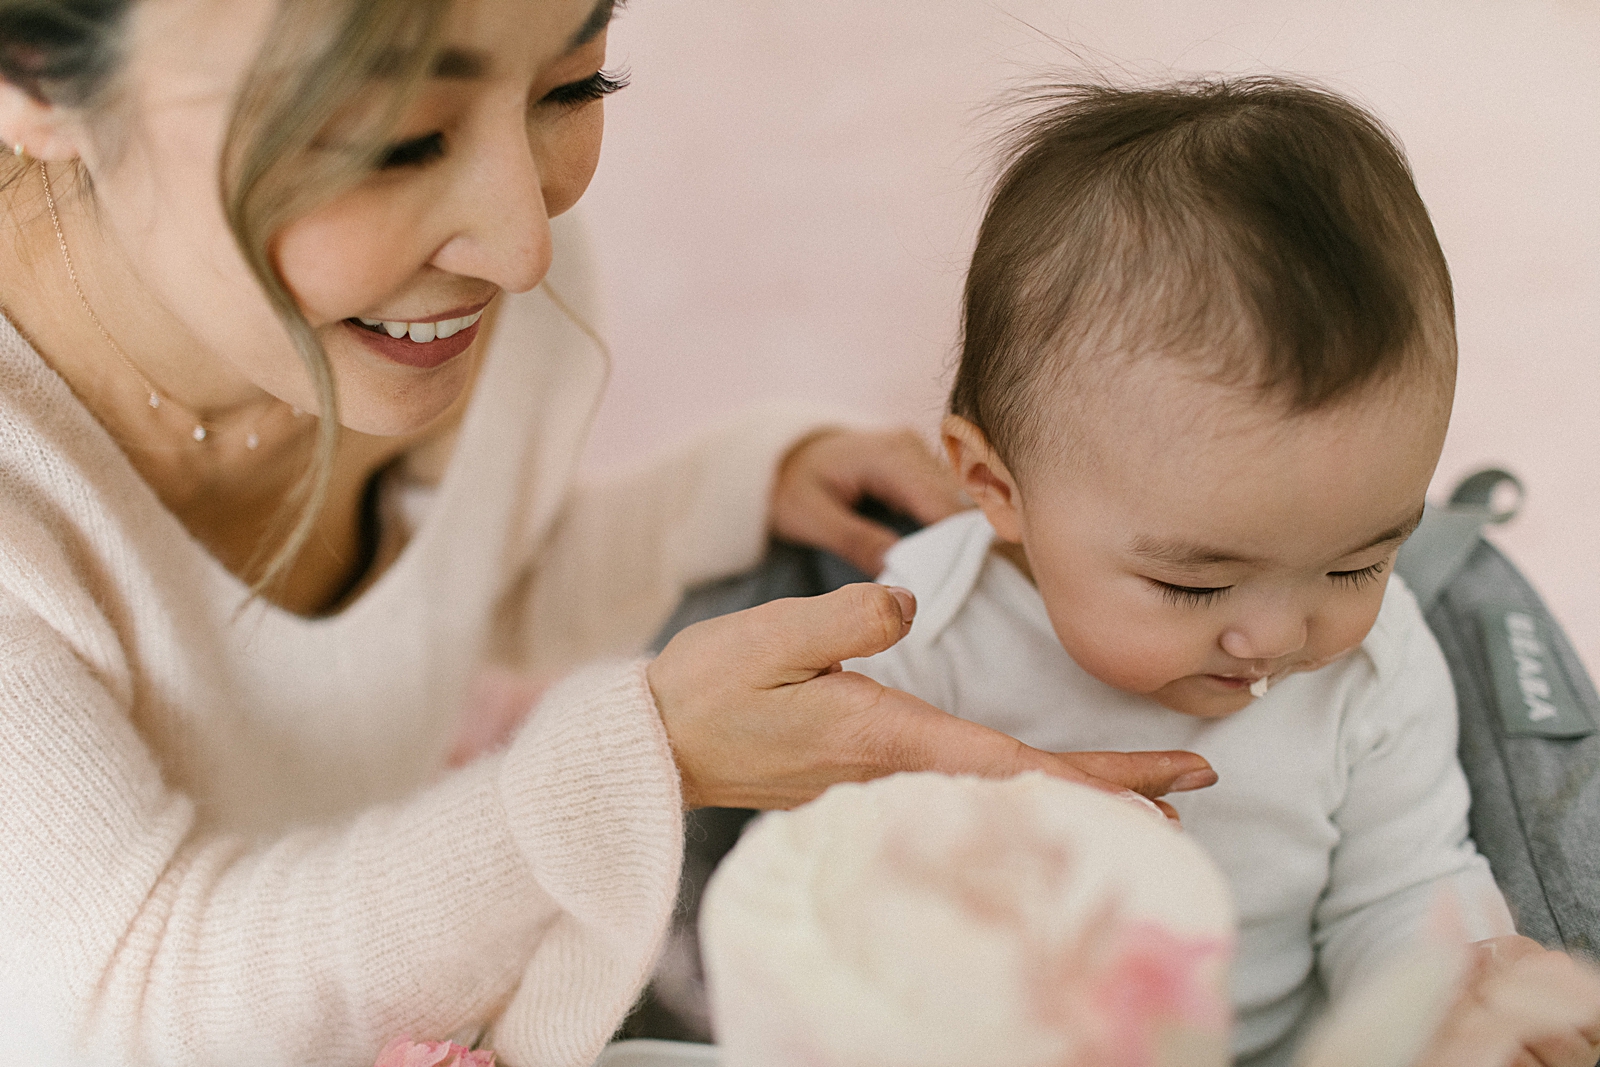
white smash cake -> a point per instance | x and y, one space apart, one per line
923 920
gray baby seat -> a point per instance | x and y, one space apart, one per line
1529 739
1529 716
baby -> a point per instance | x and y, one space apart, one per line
1207 368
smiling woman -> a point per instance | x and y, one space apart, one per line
294 376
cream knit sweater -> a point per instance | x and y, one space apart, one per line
228 839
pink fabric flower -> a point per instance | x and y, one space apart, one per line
403 1052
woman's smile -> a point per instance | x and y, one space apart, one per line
423 343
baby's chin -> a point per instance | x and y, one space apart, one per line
1200 697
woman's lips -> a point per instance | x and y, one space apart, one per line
409 353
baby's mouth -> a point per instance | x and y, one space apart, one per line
1256 684
420 332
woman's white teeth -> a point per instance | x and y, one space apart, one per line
423 332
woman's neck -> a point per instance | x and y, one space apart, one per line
232 485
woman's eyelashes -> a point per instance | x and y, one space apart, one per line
413 153
594 87
425 149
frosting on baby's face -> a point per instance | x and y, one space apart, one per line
1205 541
931 920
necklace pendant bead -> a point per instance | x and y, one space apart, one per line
155 401
199 433
252 441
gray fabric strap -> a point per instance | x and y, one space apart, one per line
1448 534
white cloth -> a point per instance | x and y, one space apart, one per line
1340 812
229 838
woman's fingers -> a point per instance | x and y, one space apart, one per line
911 479
907 734
758 714
1151 774
754 707
814 515
826 476
793 640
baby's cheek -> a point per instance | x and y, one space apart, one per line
1140 656
1340 628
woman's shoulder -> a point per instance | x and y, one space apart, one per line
41 420
68 497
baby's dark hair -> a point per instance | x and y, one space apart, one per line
1267 230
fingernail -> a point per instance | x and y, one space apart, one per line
1194 780
1142 801
907 601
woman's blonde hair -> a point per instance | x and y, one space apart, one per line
312 118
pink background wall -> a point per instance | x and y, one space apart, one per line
790 190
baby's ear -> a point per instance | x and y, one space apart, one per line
984 475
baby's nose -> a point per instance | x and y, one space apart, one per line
1266 638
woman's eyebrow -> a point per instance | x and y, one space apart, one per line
470 64
461 64
598 20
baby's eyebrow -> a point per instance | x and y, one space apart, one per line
1189 554
1181 553
1392 536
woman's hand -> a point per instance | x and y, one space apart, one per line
1524 1006
760 715
825 476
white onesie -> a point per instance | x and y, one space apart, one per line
1340 812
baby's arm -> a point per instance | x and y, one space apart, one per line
1402 821
1404 850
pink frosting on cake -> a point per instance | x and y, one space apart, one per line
925 920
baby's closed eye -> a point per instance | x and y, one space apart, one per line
1358 578
1189 595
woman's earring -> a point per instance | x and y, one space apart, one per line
18 151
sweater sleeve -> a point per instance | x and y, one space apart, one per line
1403 849
534 885
627 545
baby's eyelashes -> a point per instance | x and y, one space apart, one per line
1358 578
1202 595
1189 595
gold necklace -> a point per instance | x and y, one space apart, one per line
201 431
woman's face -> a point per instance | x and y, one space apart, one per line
505 137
